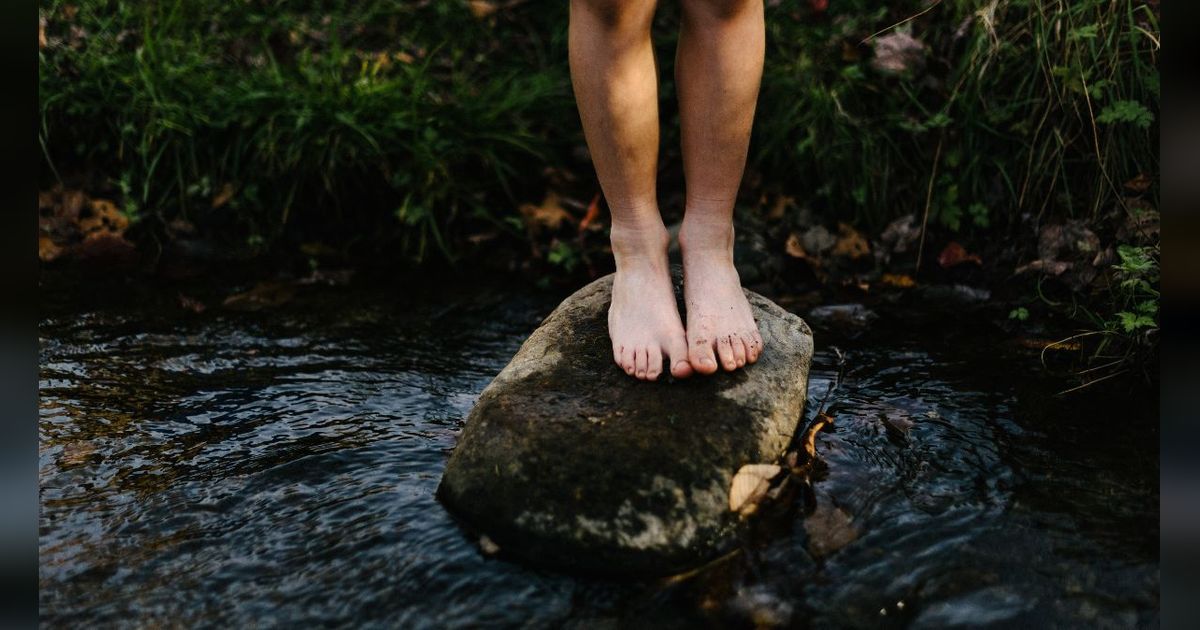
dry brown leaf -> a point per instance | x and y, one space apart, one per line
850 243
897 280
48 250
809 441
265 294
1139 184
750 484
955 254
589 217
223 195
104 216
549 215
482 8
794 246
779 208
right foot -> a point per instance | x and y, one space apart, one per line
643 321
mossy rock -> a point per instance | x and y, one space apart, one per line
567 461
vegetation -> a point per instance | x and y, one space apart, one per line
419 126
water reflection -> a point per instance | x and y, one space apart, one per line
280 467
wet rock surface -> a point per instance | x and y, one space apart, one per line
566 461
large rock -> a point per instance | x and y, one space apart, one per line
567 461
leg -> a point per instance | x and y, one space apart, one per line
718 69
616 87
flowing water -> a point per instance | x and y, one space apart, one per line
278 468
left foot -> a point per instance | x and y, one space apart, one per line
721 330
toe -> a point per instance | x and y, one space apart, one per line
751 347
627 360
759 346
700 356
739 350
678 351
617 355
653 363
639 363
725 352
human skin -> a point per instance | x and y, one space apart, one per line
718 70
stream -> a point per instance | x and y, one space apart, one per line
278 467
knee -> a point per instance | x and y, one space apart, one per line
616 15
719 10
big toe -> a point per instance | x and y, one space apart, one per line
700 355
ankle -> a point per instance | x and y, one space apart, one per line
705 237
639 242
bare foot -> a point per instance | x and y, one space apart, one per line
643 321
720 325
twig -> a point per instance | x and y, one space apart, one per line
901 22
937 157
1061 342
1092 382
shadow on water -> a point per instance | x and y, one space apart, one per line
280 466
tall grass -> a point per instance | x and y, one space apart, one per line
417 121
388 116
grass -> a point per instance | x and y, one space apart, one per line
410 126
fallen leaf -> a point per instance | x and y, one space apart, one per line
482 8
1049 267
180 226
897 425
779 208
1140 183
954 254
898 53
794 247
850 243
488 546
549 215
829 529
266 294
750 484
593 211
103 215
900 234
899 281
1061 241
817 240
223 196
48 250
809 441
191 304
